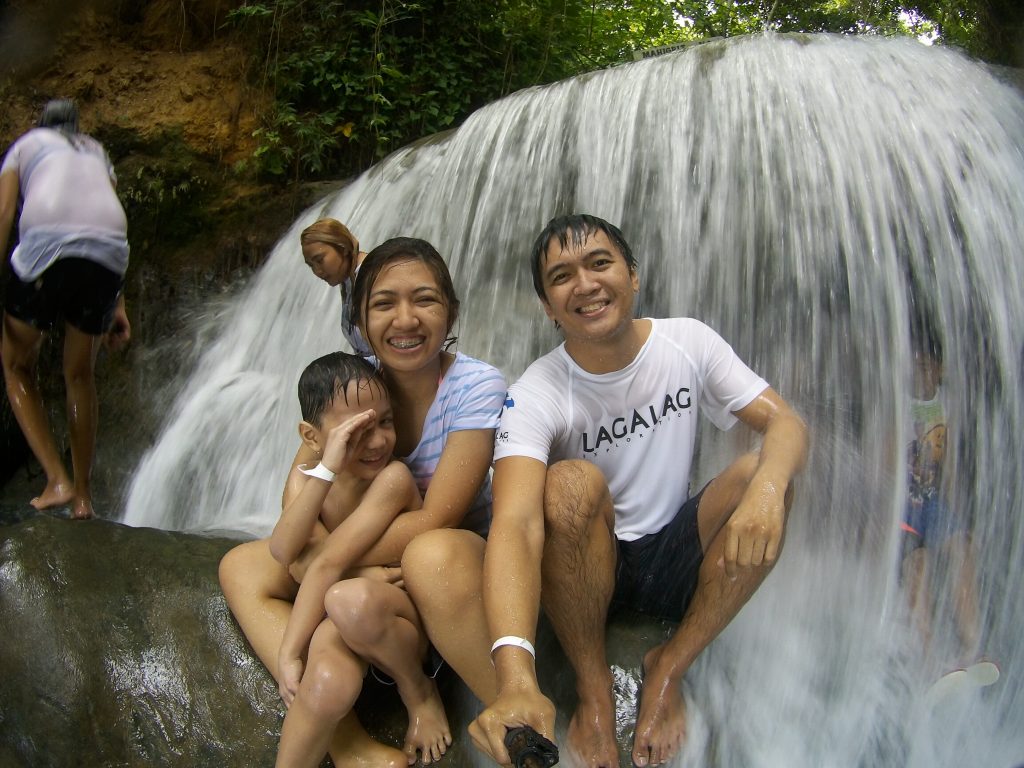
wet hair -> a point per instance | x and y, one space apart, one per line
395 251
574 228
333 233
327 377
61 115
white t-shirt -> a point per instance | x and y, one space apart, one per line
70 204
637 424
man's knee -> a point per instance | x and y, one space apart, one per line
575 493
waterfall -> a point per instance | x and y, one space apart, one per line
804 195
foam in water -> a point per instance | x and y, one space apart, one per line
799 194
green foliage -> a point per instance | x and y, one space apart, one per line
355 80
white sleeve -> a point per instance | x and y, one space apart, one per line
530 422
729 384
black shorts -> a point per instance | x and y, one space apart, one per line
80 291
657 573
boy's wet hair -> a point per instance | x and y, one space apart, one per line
327 377
574 228
397 250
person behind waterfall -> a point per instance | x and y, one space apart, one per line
355 491
446 408
592 509
935 536
332 252
68 265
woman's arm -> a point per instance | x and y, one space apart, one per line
456 482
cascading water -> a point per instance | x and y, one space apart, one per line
803 195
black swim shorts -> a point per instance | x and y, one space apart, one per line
657 573
80 291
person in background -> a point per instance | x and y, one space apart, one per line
332 252
68 266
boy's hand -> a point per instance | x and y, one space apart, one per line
290 672
343 440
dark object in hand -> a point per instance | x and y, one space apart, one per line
528 749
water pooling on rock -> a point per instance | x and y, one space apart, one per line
798 194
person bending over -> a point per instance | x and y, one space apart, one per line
69 265
592 507
355 491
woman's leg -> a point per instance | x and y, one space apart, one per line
21 344
443 572
260 593
378 621
83 413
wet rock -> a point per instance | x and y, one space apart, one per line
119 650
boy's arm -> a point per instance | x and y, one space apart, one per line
304 497
453 488
391 492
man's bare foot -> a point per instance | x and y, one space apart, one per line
591 735
661 716
56 494
428 734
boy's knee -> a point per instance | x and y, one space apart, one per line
323 684
430 552
351 604
575 492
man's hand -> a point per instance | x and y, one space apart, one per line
509 710
343 440
120 331
753 534
290 671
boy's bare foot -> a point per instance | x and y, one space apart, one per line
56 494
661 716
428 733
591 734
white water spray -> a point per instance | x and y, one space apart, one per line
799 194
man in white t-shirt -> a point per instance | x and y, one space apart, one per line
591 507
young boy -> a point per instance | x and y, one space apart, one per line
355 492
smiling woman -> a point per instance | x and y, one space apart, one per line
446 408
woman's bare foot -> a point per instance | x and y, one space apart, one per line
428 733
661 716
591 734
354 748
81 509
57 493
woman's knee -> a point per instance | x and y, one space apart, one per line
443 565
249 569
575 494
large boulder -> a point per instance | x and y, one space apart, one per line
118 650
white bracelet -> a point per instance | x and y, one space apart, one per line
518 642
319 471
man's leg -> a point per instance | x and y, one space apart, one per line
80 350
578 574
21 343
661 719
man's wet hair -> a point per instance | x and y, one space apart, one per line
327 377
61 115
574 229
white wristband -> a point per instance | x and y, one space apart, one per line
319 471
518 642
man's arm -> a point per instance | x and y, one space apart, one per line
10 187
511 594
754 532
